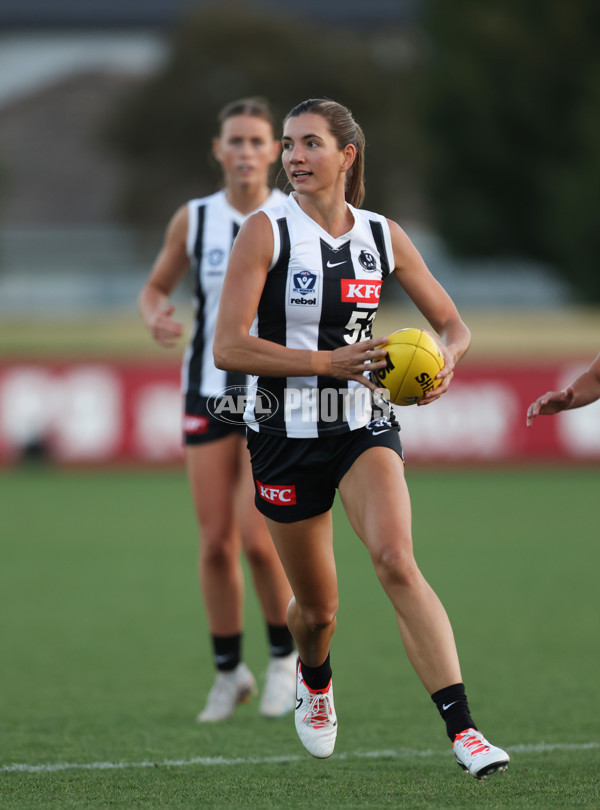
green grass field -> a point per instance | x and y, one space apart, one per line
105 653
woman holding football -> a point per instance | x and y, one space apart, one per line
201 233
298 303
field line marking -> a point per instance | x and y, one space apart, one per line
23 767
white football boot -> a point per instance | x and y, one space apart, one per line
316 721
478 756
279 693
229 689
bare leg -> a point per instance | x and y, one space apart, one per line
306 551
377 502
270 582
212 471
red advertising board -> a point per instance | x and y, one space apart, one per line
130 412
90 412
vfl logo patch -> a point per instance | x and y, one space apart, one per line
194 425
280 494
367 260
303 285
355 290
304 282
215 256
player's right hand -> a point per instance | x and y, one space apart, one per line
550 403
164 329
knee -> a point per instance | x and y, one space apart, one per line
318 616
218 547
258 549
396 566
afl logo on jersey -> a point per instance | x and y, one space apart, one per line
367 260
303 285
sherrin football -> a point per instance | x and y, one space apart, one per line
413 360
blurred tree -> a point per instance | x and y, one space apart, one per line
164 129
510 96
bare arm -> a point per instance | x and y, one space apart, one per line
169 268
434 303
582 391
236 350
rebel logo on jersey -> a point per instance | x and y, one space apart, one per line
356 290
281 494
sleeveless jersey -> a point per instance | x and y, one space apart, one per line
212 226
321 293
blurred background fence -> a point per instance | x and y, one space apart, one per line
483 140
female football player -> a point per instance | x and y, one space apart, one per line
298 302
201 233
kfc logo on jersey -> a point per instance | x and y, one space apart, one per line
303 285
193 425
355 290
279 494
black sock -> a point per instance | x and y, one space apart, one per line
317 677
227 651
281 642
453 706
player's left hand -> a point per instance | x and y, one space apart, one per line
445 374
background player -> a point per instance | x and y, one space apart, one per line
201 232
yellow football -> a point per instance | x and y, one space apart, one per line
413 360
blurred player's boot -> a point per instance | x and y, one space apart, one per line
229 689
316 721
279 693
478 756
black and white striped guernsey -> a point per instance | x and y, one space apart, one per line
321 293
212 226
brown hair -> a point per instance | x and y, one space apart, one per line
256 107
345 130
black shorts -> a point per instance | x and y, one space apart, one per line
295 479
201 426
